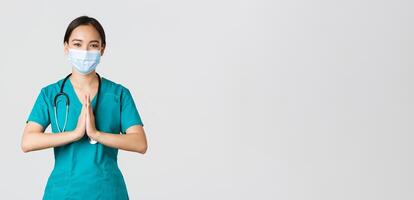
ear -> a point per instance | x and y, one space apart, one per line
103 50
66 48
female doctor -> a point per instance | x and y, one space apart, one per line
87 113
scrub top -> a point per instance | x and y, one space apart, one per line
83 170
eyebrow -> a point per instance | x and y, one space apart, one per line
79 40
94 41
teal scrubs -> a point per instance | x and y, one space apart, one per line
83 170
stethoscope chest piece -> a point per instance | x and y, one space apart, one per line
91 141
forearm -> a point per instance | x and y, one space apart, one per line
38 140
128 142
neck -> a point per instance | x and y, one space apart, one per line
83 80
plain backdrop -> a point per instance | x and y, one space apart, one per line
248 99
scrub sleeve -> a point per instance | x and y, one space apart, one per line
129 112
40 113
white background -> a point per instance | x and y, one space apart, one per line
248 99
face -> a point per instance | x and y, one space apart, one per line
84 37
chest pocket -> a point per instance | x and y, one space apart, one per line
108 117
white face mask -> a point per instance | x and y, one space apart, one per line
84 61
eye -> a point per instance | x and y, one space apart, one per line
77 44
95 45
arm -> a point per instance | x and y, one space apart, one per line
134 140
34 138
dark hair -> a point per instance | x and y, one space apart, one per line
85 20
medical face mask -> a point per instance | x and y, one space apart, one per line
84 61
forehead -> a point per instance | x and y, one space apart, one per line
85 33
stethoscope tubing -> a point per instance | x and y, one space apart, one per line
62 93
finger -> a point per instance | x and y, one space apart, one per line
87 117
90 106
87 107
83 103
83 106
85 100
87 121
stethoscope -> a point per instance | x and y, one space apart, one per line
61 93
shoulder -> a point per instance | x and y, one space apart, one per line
111 89
112 86
51 88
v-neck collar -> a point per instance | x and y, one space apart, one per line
77 100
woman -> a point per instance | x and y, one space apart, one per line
86 133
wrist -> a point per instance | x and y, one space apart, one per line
97 135
76 134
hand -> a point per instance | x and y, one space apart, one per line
80 129
91 130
